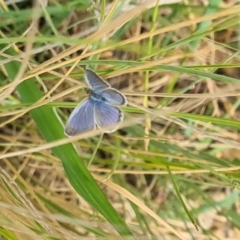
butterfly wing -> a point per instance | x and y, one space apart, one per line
114 97
95 82
81 119
107 115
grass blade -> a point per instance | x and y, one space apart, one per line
52 129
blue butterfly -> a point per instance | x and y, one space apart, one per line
99 109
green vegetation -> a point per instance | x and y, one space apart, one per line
171 171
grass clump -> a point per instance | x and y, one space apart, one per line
171 170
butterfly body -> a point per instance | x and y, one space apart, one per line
96 96
99 109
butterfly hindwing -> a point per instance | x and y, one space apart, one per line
107 115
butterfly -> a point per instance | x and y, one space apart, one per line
100 109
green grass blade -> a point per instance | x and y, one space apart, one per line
52 130
180 198
215 120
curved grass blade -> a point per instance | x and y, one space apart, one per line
51 129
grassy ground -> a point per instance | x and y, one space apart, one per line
171 171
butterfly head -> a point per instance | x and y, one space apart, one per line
88 90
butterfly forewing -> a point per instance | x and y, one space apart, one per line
95 82
114 97
107 115
81 119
